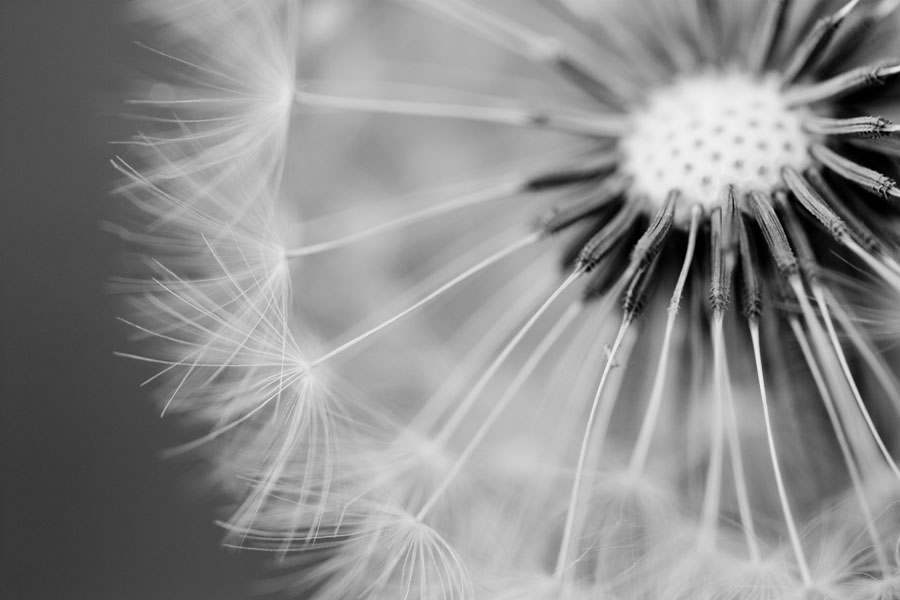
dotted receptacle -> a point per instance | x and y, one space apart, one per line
710 131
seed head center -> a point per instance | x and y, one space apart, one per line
707 132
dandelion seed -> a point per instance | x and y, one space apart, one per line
638 352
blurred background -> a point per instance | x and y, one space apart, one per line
89 510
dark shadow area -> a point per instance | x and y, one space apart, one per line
89 509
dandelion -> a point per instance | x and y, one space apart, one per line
641 349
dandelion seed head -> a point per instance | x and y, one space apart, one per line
412 401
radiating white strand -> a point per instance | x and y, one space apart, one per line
575 414
455 419
500 406
574 375
857 430
578 369
737 461
530 44
713 492
496 193
776 467
498 29
848 374
586 124
846 451
888 270
489 332
482 265
645 436
446 264
696 388
869 354
568 530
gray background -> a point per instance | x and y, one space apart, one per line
88 510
